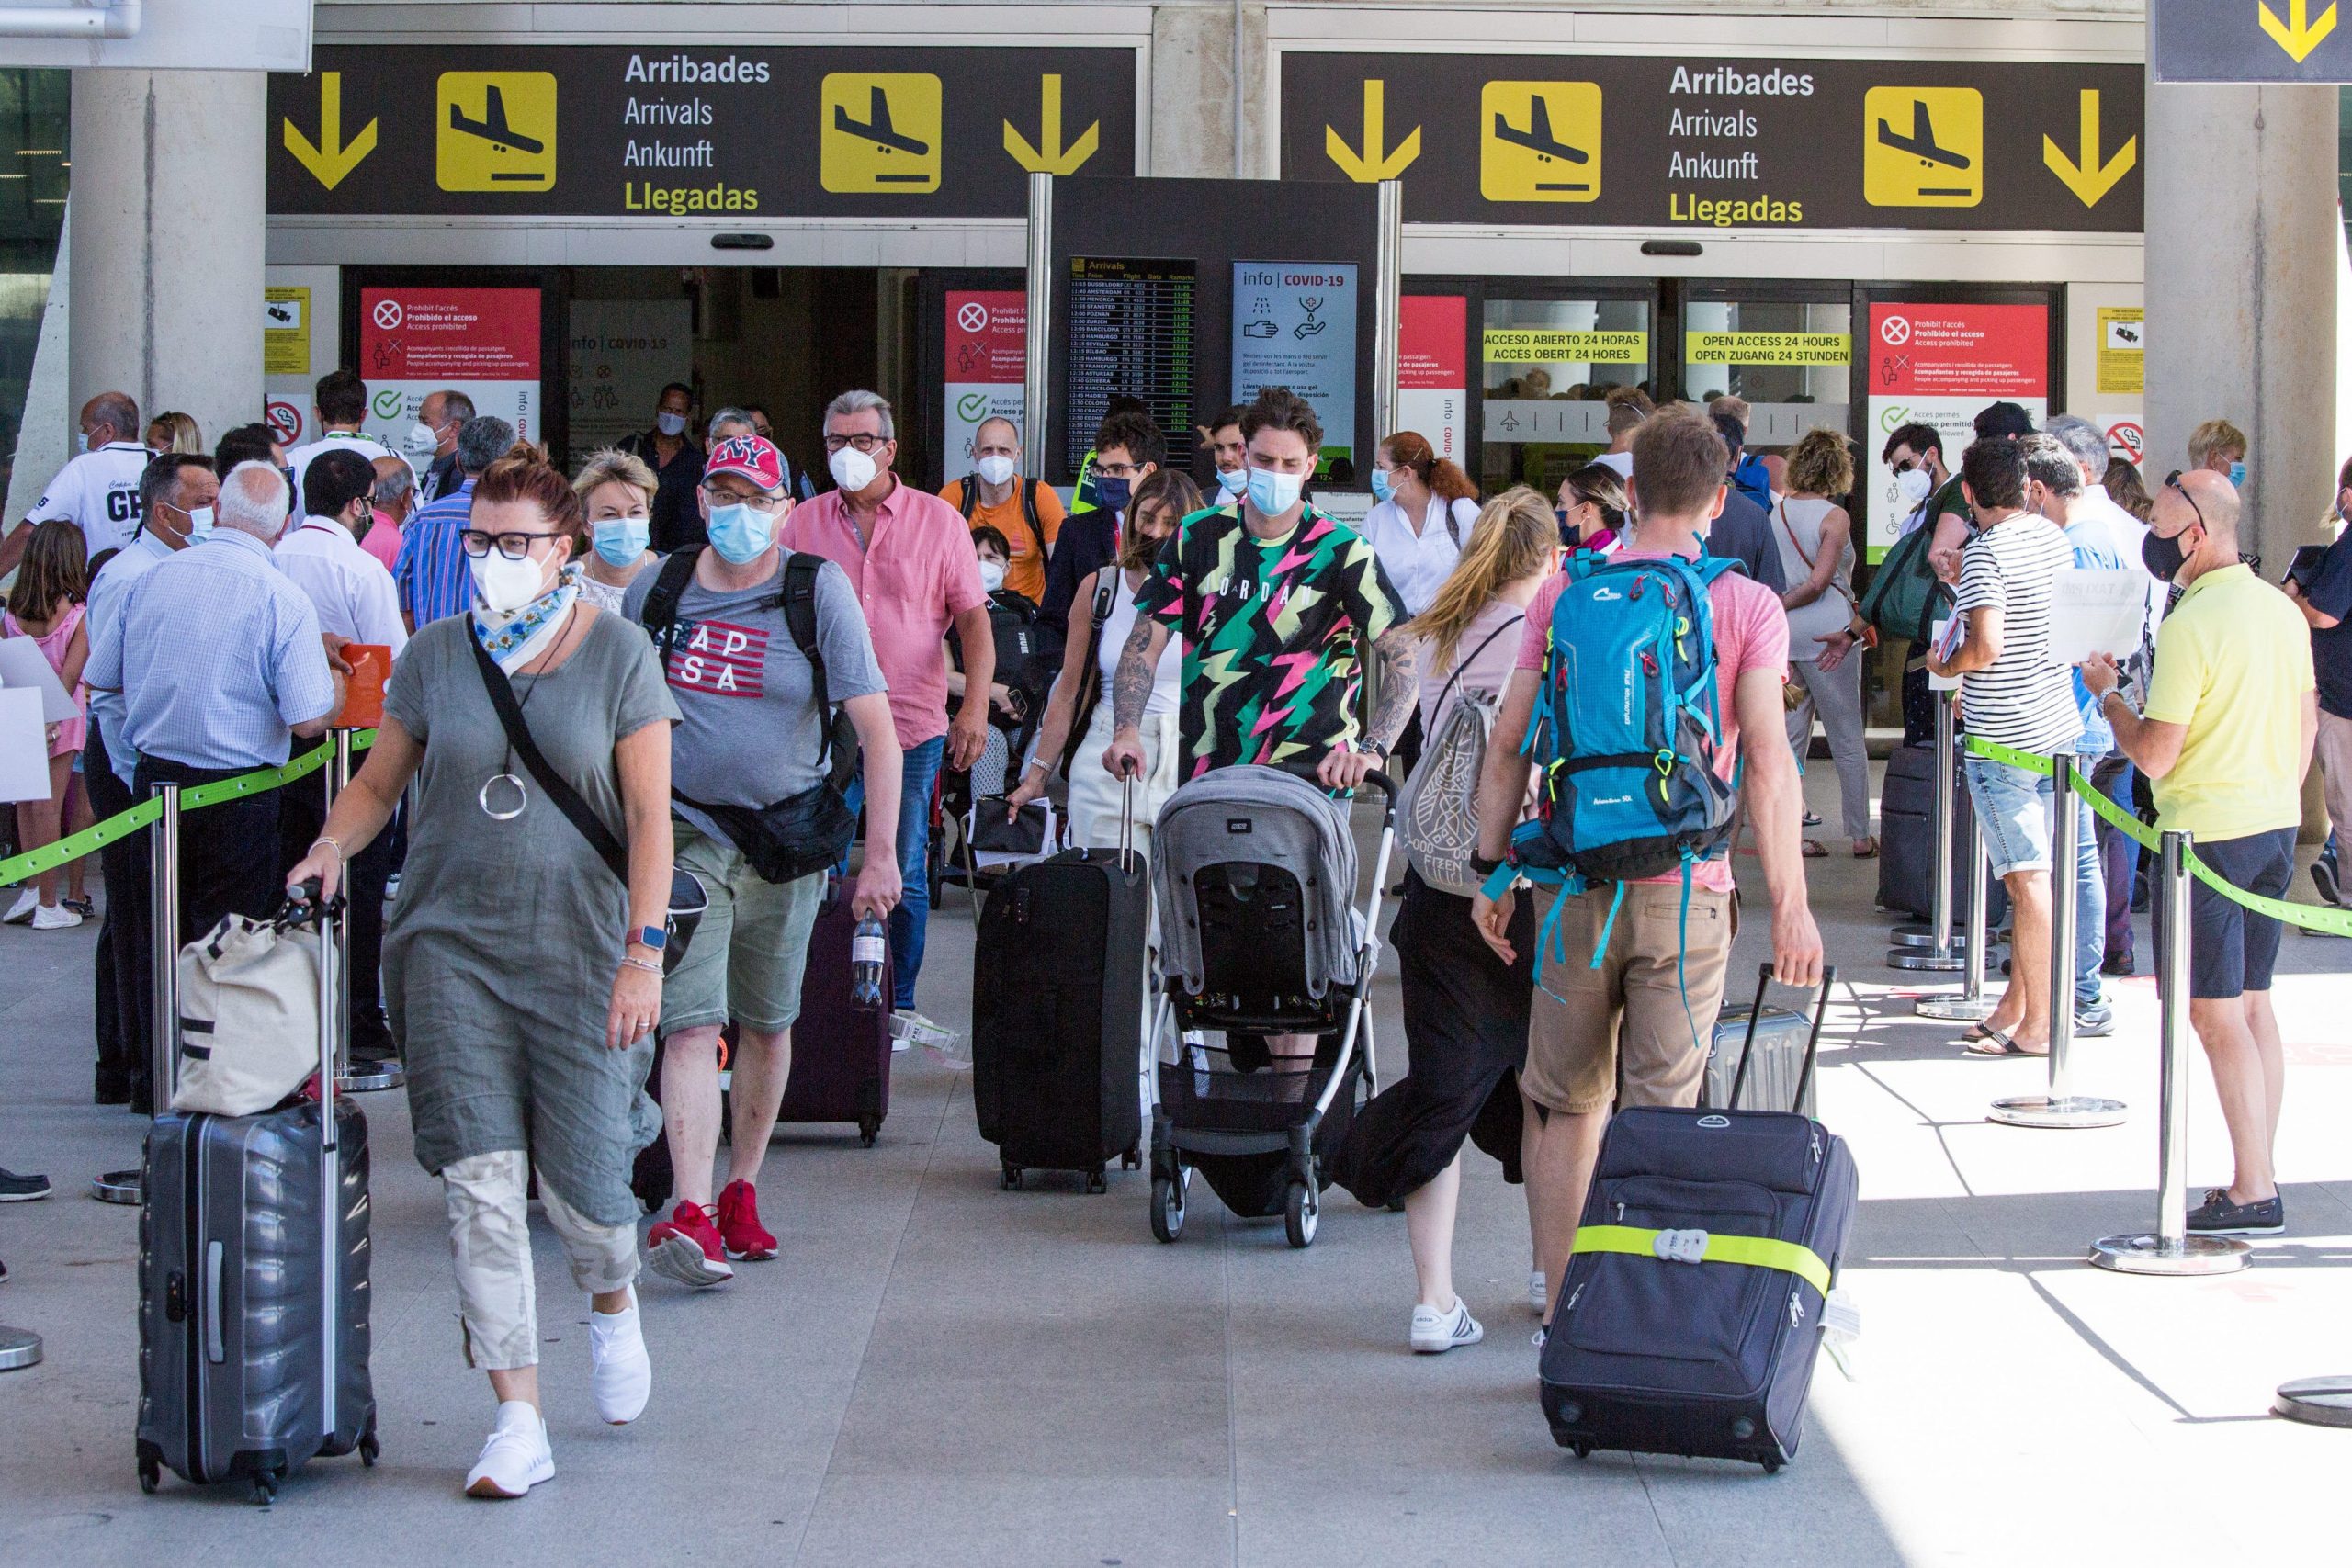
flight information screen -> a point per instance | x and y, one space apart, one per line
1131 335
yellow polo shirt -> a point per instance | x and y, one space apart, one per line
2233 663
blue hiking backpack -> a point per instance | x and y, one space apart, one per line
1625 735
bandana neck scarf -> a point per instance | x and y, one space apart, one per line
513 638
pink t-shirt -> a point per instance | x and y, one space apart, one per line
383 541
1752 633
914 578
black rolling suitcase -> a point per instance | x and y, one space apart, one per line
253 1306
1692 1310
1058 1013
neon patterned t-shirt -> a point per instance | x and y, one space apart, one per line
1274 634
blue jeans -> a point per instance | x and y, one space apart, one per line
917 777
2014 806
2119 855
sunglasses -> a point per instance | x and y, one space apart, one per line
2172 481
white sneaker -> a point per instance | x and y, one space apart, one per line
54 917
516 1459
1537 1295
620 1374
1435 1331
21 911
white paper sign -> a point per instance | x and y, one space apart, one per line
24 746
2095 610
22 664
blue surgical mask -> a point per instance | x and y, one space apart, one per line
199 525
1272 493
1233 481
81 442
620 540
740 533
1382 486
1114 492
2237 474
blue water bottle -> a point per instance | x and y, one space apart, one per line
868 946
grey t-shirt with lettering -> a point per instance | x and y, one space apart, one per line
750 730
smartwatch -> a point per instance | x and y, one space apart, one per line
654 936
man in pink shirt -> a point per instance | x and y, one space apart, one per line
909 557
1586 1020
392 500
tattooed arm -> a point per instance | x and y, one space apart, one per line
1130 693
1399 655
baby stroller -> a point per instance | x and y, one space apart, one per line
1255 872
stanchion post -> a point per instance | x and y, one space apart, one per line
1970 1006
366 1077
164 946
2061 1107
1931 947
2170 1250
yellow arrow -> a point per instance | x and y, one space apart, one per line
2299 35
1372 163
1049 156
2090 179
333 157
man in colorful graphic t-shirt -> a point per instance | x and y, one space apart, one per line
1277 604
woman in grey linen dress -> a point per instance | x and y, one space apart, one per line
522 1009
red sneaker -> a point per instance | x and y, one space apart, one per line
686 1248
740 1230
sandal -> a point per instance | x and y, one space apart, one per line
1868 853
1996 1044
1813 849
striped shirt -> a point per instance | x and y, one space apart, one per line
217 656
2025 698
432 573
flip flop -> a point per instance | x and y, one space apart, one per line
1975 1032
1871 853
1996 1044
1813 850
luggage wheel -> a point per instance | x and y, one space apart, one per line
151 1470
1010 1180
1167 1208
265 1490
868 1129
1095 1181
1301 1213
1131 1159
1582 1451
1771 1466
369 1448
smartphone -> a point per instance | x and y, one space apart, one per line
2305 566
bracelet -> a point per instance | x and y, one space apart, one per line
647 965
1040 763
330 844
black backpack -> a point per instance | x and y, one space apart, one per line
1028 491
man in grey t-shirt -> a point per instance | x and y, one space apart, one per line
750 735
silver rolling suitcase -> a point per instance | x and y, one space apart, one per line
253 1307
1770 1048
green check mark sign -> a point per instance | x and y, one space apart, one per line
972 407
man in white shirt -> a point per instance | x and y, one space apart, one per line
339 402
351 590
97 491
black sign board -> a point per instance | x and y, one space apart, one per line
2258 40
1165 249
1131 334
1690 143
693 131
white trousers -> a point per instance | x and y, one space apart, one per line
490 1240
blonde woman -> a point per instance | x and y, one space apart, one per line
1465 1010
174 433
616 492
1817 543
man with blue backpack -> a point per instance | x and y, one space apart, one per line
1638 675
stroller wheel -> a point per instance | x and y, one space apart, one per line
1301 1213
1167 1208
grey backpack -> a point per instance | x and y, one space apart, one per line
1438 818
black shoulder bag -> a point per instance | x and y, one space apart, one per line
688 898
801 833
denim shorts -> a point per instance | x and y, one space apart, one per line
2014 806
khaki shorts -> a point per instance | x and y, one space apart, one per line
747 955
1584 1020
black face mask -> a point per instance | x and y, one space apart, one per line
2164 557
1569 533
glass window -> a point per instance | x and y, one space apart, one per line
1787 359
1547 366
33 163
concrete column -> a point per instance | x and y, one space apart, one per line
1192 89
169 219
2241 276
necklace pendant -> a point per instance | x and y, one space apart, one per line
503 797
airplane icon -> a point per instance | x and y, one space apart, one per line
493 128
1921 144
1540 138
876 128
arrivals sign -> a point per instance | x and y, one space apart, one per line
2248 40
481 342
1940 366
1679 141
688 132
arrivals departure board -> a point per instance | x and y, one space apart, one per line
1131 335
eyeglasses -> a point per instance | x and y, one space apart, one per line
862 441
2172 481
514 547
753 499
1118 470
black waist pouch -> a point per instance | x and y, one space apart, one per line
800 834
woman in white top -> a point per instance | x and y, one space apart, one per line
1162 502
616 492
1426 509
1465 1010
1817 543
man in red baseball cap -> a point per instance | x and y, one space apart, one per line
754 801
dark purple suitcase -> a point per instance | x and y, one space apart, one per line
841 1052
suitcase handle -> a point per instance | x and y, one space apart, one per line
1812 1039
1126 822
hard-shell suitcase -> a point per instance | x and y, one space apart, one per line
1058 1013
253 1306
1759 1057
841 1052
1907 866
1692 1310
